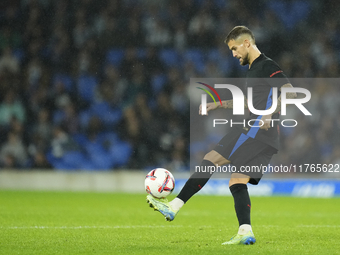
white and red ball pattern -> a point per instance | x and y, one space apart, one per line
159 183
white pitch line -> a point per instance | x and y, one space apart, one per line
299 226
150 226
89 227
319 226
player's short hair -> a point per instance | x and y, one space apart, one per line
238 31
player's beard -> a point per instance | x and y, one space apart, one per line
245 60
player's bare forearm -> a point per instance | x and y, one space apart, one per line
289 95
228 104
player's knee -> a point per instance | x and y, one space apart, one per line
216 158
238 179
233 181
207 157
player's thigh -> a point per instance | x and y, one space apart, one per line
216 158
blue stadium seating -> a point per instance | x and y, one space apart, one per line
108 138
80 139
84 118
98 156
71 160
74 159
65 79
290 12
19 54
106 113
86 86
94 146
102 161
100 108
115 56
58 116
121 152
88 166
141 53
223 62
214 55
220 4
112 118
196 57
157 82
169 57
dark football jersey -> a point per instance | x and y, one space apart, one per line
264 75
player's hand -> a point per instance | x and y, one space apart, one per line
266 122
210 106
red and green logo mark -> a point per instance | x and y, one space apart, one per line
208 92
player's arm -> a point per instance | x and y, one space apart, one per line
275 78
289 95
226 104
267 118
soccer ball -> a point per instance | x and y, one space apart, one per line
159 183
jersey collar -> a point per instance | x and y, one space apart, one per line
258 59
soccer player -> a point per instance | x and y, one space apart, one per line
247 146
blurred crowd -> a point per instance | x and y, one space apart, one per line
103 84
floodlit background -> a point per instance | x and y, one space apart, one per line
95 93
103 85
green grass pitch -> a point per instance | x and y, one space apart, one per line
106 223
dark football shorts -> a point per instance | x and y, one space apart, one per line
246 154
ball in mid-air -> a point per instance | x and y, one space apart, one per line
159 183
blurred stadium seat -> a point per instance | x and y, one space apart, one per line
86 86
115 56
65 79
170 57
195 56
157 82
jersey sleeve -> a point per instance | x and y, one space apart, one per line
275 77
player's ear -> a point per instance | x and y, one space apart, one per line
246 43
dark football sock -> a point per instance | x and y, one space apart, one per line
196 181
242 202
